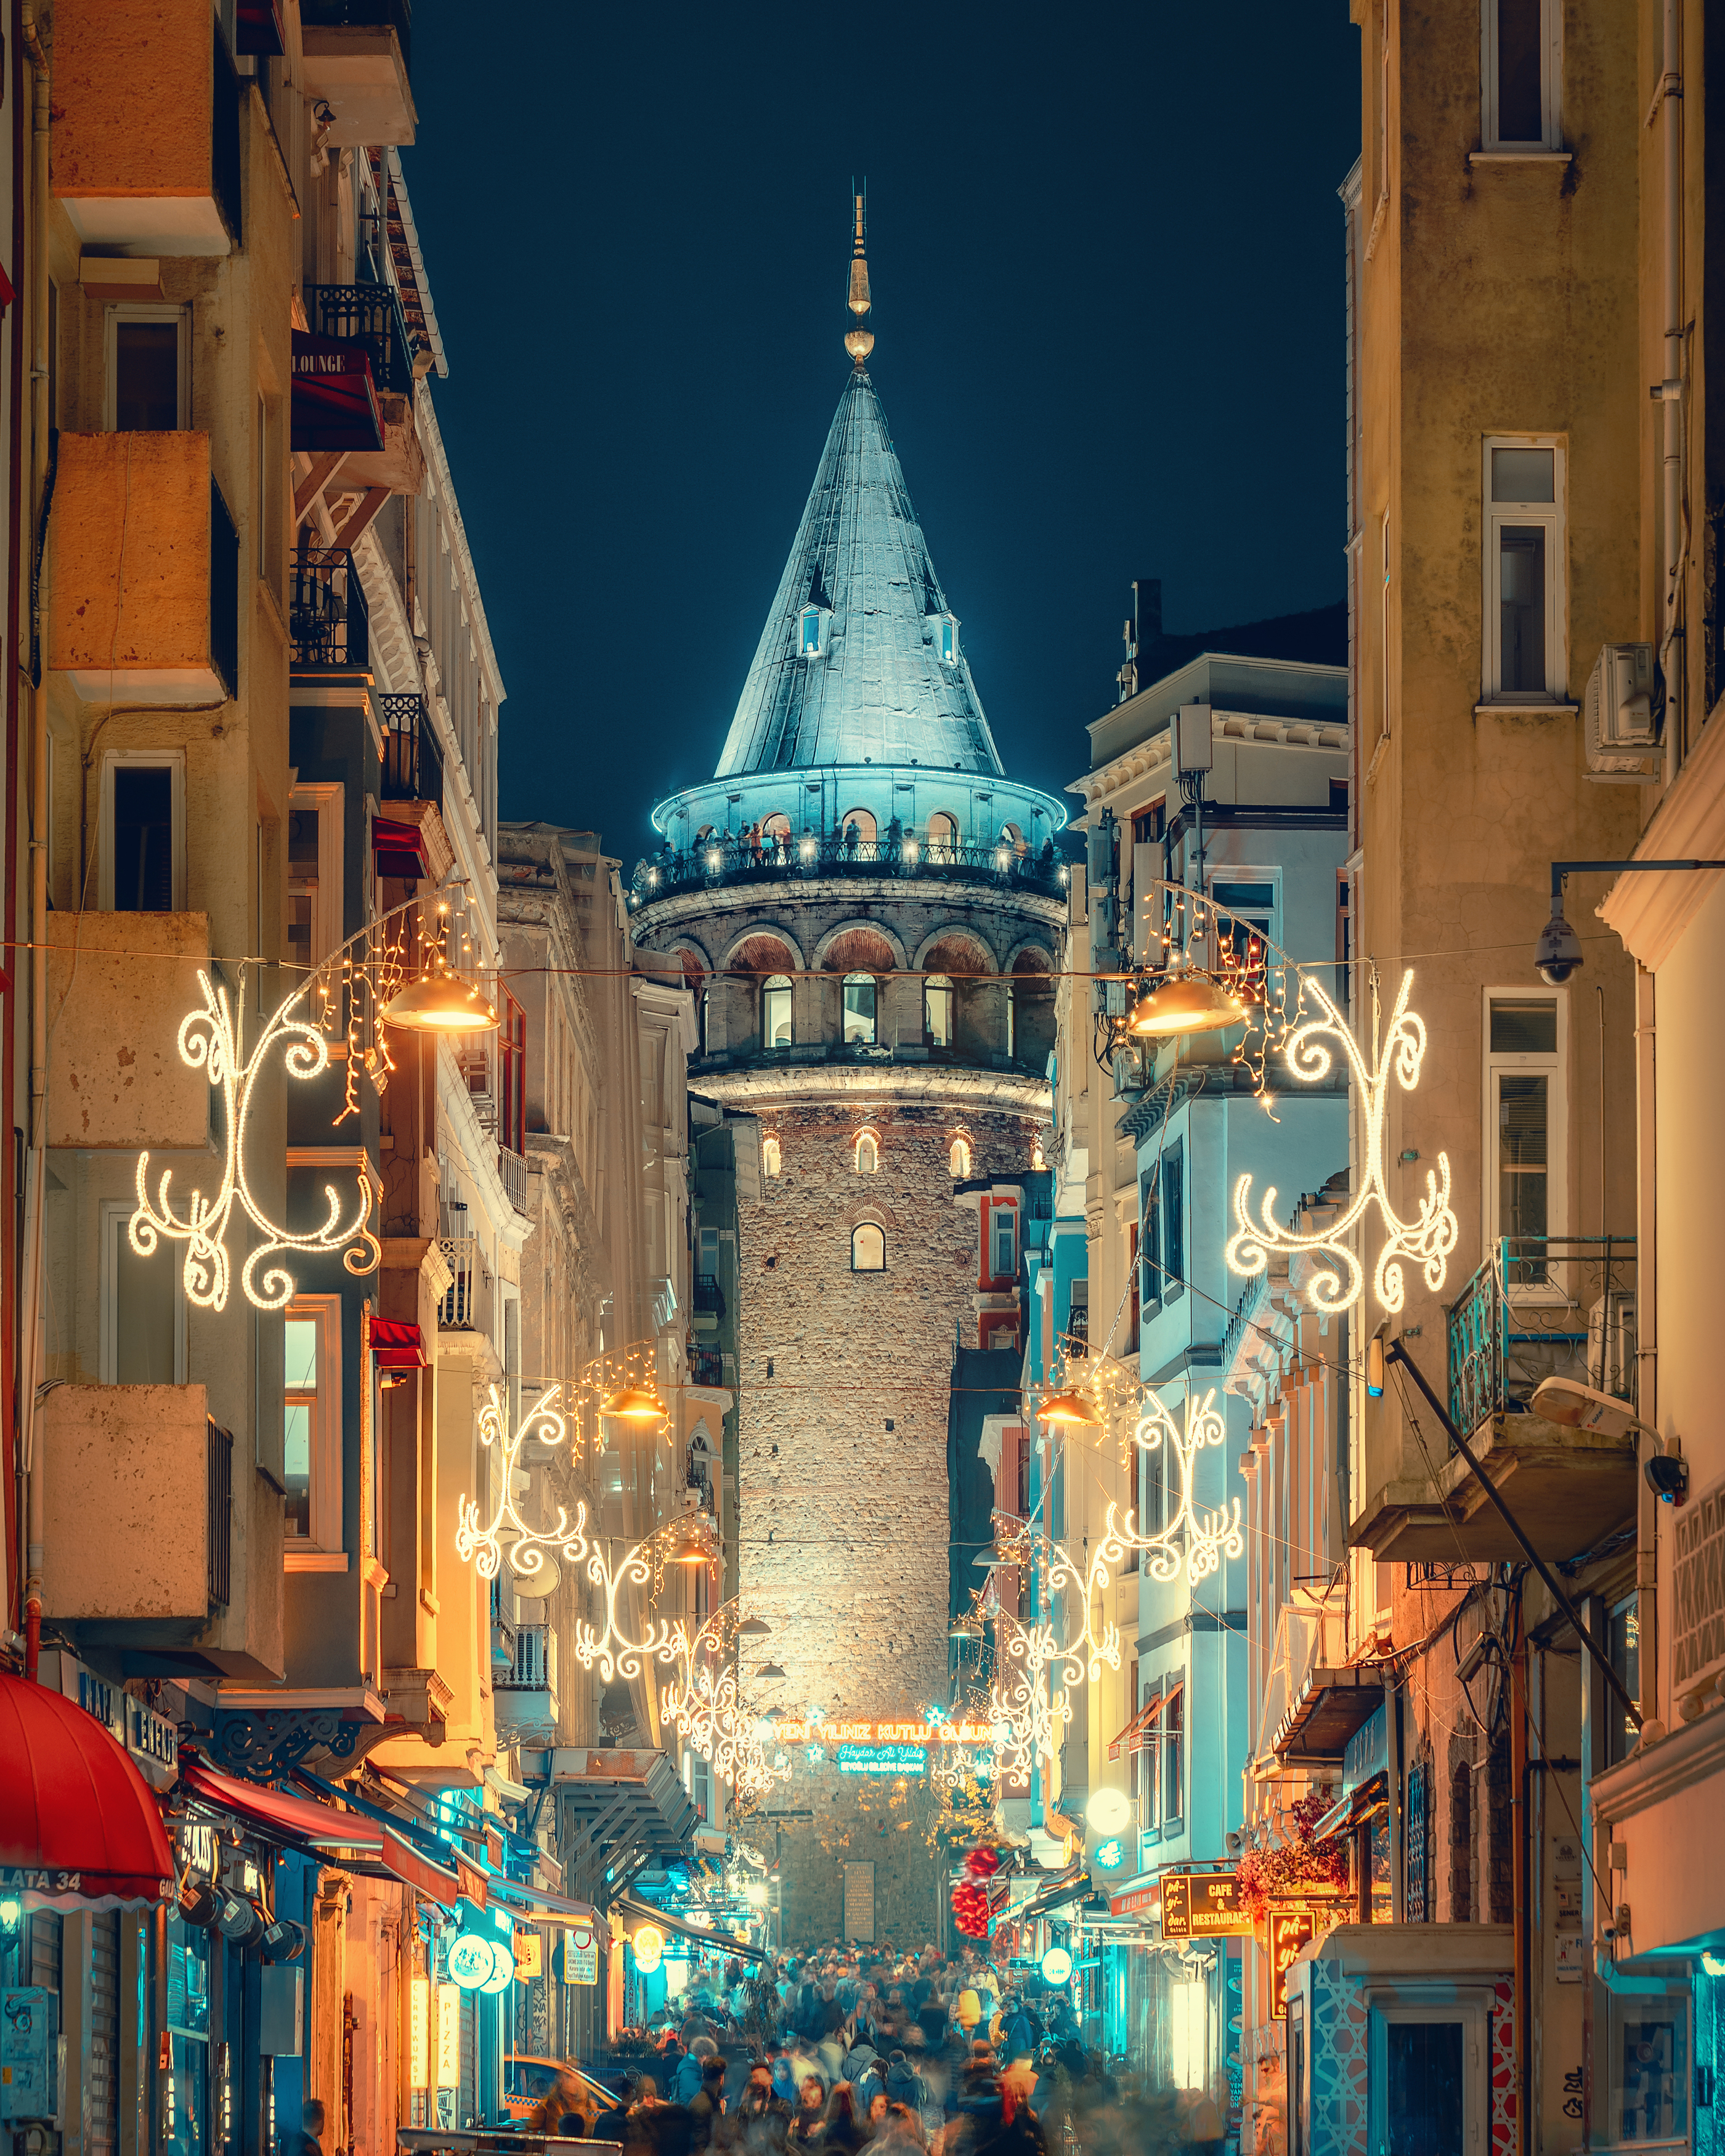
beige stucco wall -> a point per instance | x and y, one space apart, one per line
125 1518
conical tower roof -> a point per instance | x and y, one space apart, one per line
878 690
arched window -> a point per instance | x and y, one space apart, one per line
867 830
1012 835
868 1249
866 1158
769 1157
942 834
861 994
776 1012
776 834
958 1159
938 1010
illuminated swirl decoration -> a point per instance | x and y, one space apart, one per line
612 1650
1203 1538
1030 1715
703 1703
210 1041
530 1551
1335 1278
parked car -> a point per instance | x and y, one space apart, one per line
527 2081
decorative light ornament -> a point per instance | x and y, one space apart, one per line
704 1702
1056 1967
1109 1810
1202 1539
1338 1281
345 998
649 1946
211 1041
531 1551
612 1650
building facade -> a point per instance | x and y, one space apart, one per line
869 911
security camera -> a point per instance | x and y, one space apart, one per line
1558 953
1668 1477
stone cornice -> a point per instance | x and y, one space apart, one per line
760 1086
1651 911
1147 757
1695 1752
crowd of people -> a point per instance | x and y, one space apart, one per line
844 2048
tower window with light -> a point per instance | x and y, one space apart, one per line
812 632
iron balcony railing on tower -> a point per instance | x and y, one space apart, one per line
368 315
327 622
1542 1306
714 863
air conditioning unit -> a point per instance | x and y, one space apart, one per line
1621 724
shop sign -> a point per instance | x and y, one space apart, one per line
449 2036
151 1741
881 1759
1202 1905
1291 1930
1136 1900
529 1956
581 1954
196 1841
473 1962
419 2032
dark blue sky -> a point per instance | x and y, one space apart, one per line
1105 248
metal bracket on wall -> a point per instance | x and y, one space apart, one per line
263 1744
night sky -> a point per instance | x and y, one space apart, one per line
1105 250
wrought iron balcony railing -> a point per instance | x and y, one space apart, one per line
512 1168
713 863
370 315
707 1366
412 762
1542 1306
327 620
221 1517
708 1296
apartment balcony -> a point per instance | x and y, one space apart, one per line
145 160
119 984
466 1305
327 621
707 1366
707 1297
357 56
525 1695
512 1171
1540 1306
412 762
716 864
161 1553
145 605
1318 1693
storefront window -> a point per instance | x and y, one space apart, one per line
1650 2070
185 2124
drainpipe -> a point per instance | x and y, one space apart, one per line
1646 1340
1669 392
31 1269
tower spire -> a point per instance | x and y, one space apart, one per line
858 338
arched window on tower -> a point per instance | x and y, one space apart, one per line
861 822
769 1157
958 1159
861 995
868 1249
866 1157
776 1011
942 835
938 1010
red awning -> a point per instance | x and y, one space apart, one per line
335 406
413 1870
400 847
321 1826
398 1346
78 1827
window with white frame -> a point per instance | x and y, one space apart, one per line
868 1249
776 1011
148 380
1526 1115
861 996
143 867
1524 624
958 1159
1246 919
866 1157
770 1157
315 915
142 1309
938 1010
1521 74
312 1423
1003 1231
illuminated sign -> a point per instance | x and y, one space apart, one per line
1056 1965
419 2032
529 1956
449 2036
649 1946
1290 1930
881 1759
478 1963
1108 1855
885 1732
1202 1905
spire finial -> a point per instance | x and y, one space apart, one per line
860 340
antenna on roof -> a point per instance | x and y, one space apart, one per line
859 340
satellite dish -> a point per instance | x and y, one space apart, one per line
543 1582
